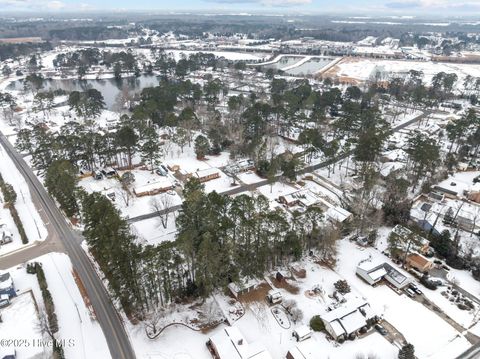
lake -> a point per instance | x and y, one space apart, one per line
110 88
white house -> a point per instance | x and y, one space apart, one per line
373 272
229 343
349 318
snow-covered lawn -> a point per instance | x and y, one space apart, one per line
73 316
33 224
151 231
20 321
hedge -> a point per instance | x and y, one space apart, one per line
10 196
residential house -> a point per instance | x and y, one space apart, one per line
373 272
350 318
207 174
303 197
419 262
229 343
163 184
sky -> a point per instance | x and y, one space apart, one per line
387 7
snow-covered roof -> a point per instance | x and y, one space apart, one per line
377 273
207 172
338 214
353 321
161 183
230 344
303 331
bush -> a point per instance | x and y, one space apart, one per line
10 196
342 286
316 323
47 298
18 223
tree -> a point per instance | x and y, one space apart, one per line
407 352
87 104
126 139
424 154
61 182
162 206
202 146
113 246
342 286
316 323
396 204
151 150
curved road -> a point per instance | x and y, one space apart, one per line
111 323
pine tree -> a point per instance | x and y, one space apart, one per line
407 352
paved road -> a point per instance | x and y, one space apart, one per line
106 313
253 186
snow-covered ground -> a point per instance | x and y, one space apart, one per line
362 69
32 223
82 333
431 335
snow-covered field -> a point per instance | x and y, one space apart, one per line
362 69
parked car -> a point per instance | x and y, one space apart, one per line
381 329
97 174
410 293
414 287
274 296
109 172
161 171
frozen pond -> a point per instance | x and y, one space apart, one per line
284 61
310 67
110 88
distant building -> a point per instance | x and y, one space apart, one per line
229 343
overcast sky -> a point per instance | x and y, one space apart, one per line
424 7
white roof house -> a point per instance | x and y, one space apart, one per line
374 271
348 318
230 344
161 185
338 214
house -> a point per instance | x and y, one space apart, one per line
352 316
6 285
243 286
207 174
302 333
308 349
337 214
229 343
419 262
373 272
446 192
304 198
163 184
